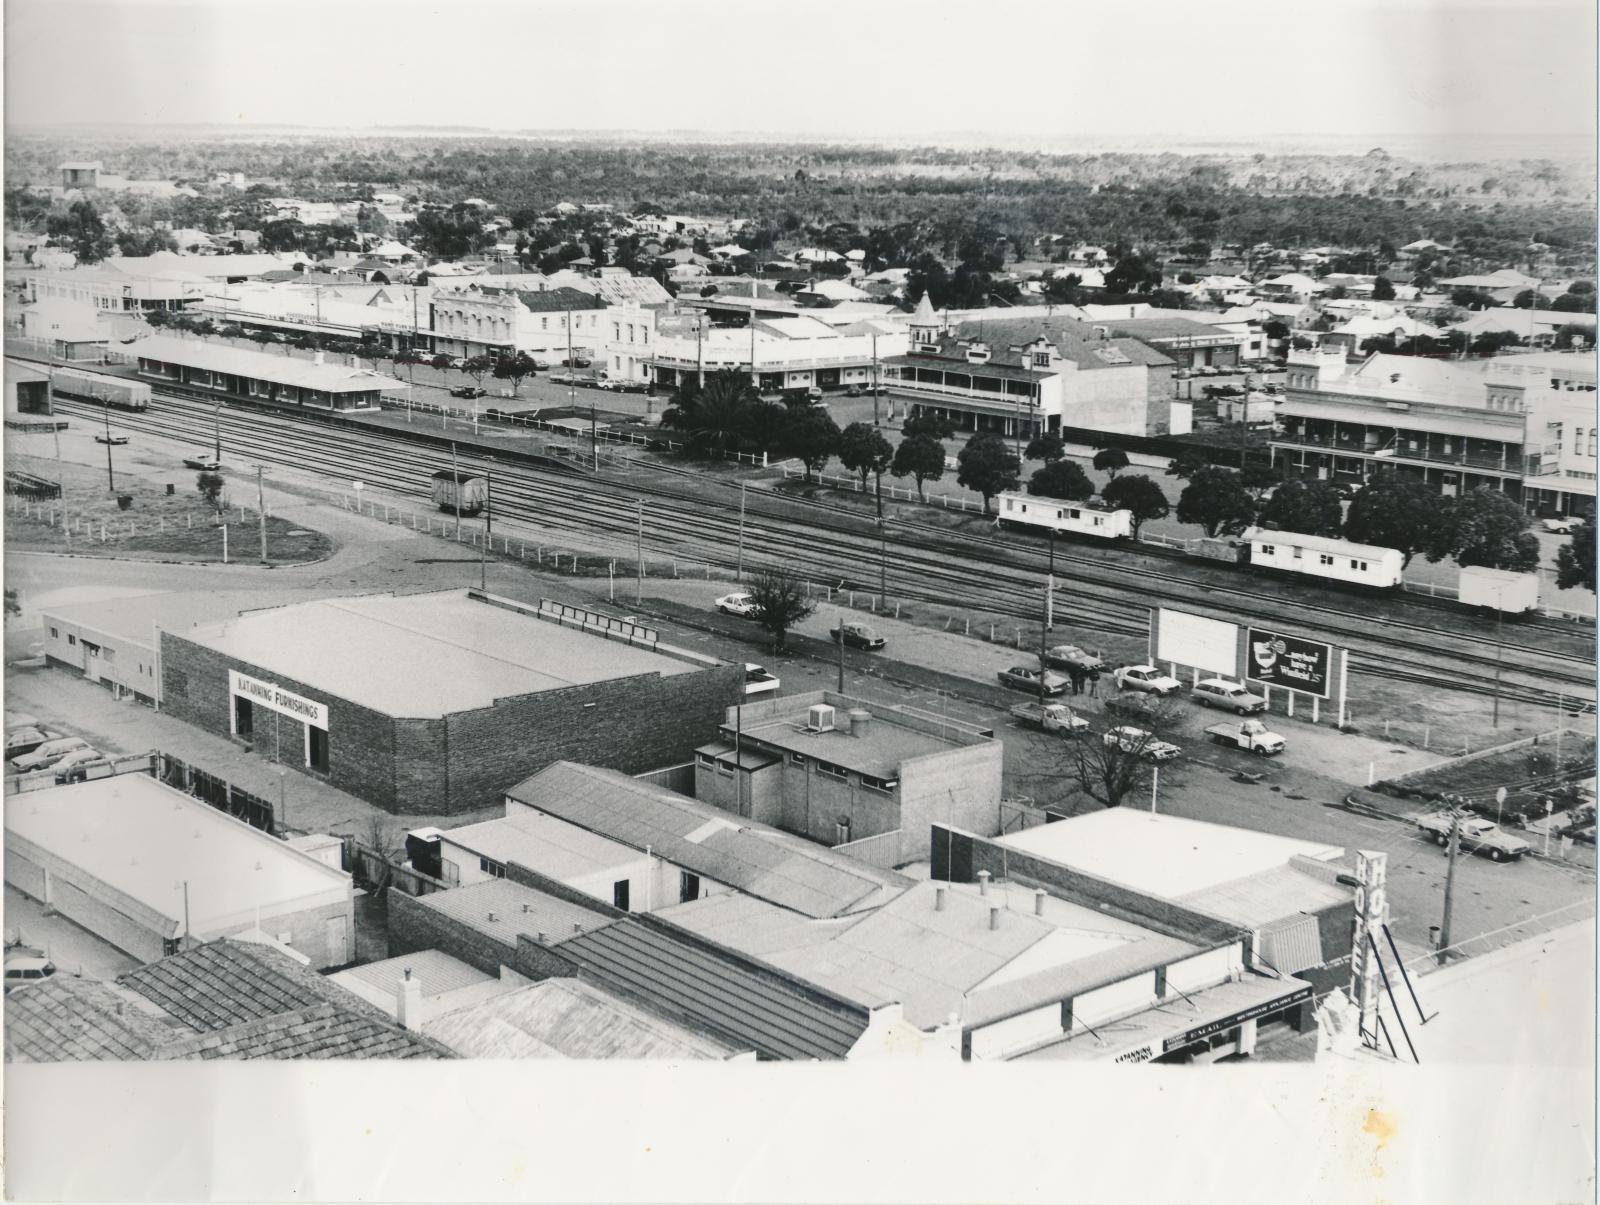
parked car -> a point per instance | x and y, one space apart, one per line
737 604
26 740
1067 656
1141 742
25 965
1477 835
1219 692
115 440
577 362
469 391
78 759
1026 678
21 719
206 464
540 363
857 635
757 681
1563 524
852 391
1147 678
47 754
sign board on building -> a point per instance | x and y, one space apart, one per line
1278 660
275 698
1194 640
1371 915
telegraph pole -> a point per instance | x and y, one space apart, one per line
217 415
739 572
1050 587
639 551
261 511
111 478
488 528
55 430
1499 617
1452 851
841 652
874 379
455 471
883 565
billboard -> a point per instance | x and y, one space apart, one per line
1371 915
1278 660
1206 644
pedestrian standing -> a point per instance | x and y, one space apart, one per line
1076 675
1094 683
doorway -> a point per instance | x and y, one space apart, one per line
317 748
244 717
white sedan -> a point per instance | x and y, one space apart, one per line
1148 679
737 604
1141 743
1563 525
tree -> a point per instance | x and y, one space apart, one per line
1383 289
82 230
1048 447
1311 508
1471 299
158 318
779 601
514 369
1108 771
715 416
920 457
1187 463
987 465
477 367
1111 461
1575 559
928 424
1061 479
209 486
1216 499
1397 512
1574 303
1531 299
1134 273
1487 528
864 451
1140 496
811 436
1259 476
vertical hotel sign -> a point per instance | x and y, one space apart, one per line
275 698
1371 914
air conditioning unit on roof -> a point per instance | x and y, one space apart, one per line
819 718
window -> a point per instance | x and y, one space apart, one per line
619 894
1269 550
798 759
1324 559
1592 439
72 639
1041 359
616 331
705 759
544 323
688 887
55 634
879 784
490 867
1359 566
829 770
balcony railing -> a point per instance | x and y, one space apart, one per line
1005 401
1507 462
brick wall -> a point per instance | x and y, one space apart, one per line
412 926
464 761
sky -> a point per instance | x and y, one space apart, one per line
1029 71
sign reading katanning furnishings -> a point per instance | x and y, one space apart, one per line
276 698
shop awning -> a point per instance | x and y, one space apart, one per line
1177 1023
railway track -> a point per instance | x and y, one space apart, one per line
840 546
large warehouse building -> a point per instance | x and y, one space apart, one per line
152 871
440 702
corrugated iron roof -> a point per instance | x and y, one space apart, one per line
257 365
747 1004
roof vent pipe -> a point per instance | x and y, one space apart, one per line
1038 901
994 916
938 899
983 882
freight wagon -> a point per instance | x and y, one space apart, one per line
1499 590
459 493
1065 518
101 389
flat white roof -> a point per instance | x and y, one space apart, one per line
1164 856
543 843
424 656
146 840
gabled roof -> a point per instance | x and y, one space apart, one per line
745 1003
322 1031
64 1019
752 857
258 365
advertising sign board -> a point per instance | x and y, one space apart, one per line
1194 640
1278 660
1371 914
275 698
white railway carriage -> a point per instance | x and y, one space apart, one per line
101 388
1066 518
1325 557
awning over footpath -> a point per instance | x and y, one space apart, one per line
1177 1023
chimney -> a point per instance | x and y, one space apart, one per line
492 918
408 1001
317 358
576 927
1038 901
983 882
860 719
938 899
540 937
994 916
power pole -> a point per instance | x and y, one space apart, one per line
1452 851
217 415
455 471
261 511
883 565
1050 587
55 430
488 529
1499 617
874 379
639 551
739 572
841 652
111 478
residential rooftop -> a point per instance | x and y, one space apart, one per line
146 841
742 854
426 655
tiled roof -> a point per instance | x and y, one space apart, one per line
566 1018
741 853
63 1019
1076 341
749 1005
322 1031
224 983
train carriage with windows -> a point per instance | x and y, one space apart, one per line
1324 557
1064 517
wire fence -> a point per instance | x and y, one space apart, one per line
1494 939
113 530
